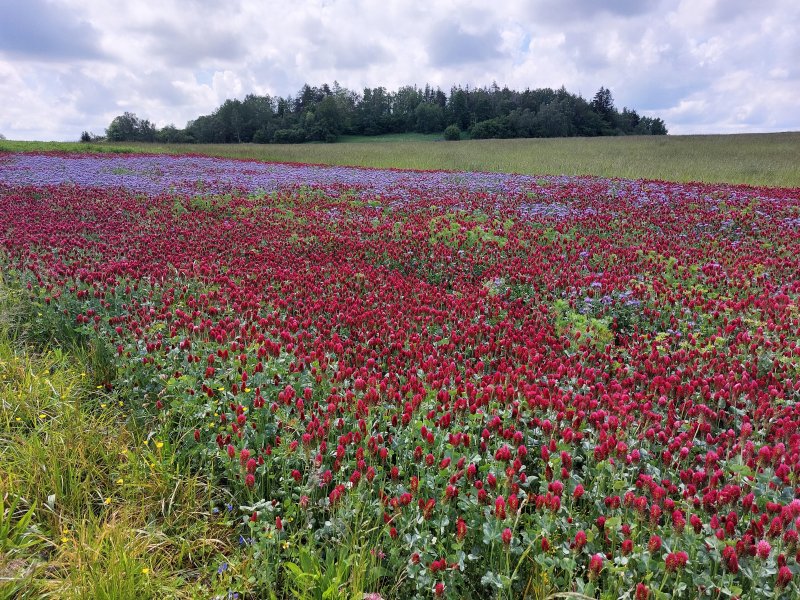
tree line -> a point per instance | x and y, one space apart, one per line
327 112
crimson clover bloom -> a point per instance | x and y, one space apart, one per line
676 561
784 577
642 592
763 549
580 540
507 536
595 566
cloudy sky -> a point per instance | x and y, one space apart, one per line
704 66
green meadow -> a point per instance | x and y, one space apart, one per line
768 159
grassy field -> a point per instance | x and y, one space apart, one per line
756 159
91 505
391 137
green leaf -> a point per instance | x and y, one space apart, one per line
490 534
297 571
492 579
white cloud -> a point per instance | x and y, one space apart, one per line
702 65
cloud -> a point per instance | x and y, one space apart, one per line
702 65
175 46
35 29
327 47
449 45
585 10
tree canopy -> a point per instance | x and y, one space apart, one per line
324 113
129 128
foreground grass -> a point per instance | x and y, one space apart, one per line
94 505
756 159
89 506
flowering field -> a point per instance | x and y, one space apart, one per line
442 384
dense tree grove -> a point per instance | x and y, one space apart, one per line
324 113
130 128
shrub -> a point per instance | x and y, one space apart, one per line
500 127
289 136
452 133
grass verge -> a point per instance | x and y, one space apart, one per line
89 506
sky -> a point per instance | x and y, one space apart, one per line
703 66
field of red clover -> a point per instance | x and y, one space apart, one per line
504 381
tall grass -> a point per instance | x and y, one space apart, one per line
94 505
756 159
89 507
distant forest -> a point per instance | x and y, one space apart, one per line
323 114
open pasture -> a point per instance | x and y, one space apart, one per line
769 159
437 384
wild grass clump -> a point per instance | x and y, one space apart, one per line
89 507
